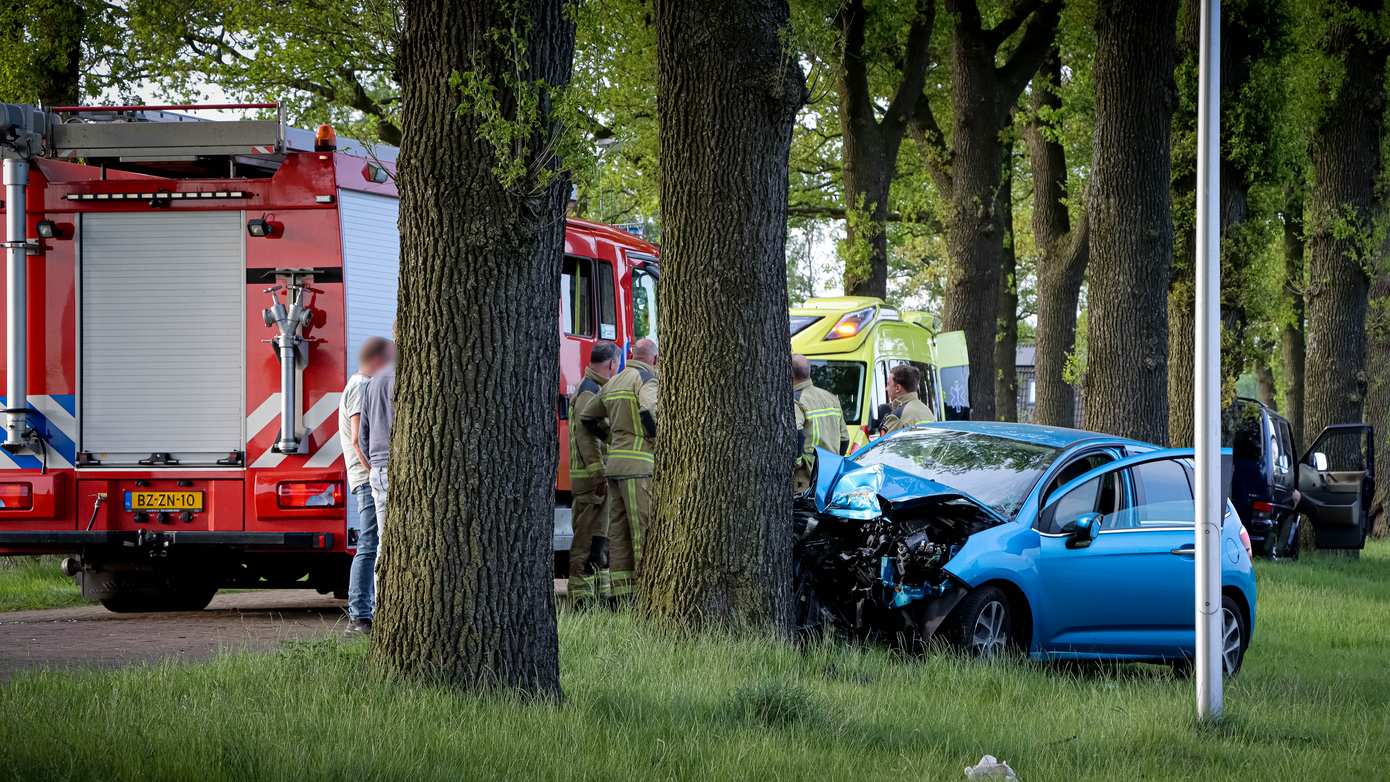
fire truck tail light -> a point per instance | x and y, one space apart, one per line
16 496
309 494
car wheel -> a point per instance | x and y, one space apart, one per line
983 624
1235 636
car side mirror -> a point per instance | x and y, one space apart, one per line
1082 530
1320 461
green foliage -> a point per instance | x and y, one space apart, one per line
30 583
527 122
641 704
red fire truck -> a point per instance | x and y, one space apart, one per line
184 302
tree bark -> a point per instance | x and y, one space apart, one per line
870 144
1345 155
1378 392
1291 338
719 550
1131 222
982 97
1063 250
1243 40
1006 345
466 593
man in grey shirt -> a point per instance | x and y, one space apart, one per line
375 435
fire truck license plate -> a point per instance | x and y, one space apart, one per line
163 500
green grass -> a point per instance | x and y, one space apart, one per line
1313 703
34 582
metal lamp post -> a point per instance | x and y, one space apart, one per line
1207 355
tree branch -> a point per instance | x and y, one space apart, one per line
1013 76
914 69
1010 24
928 134
854 73
840 213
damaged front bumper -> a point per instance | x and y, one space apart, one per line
872 549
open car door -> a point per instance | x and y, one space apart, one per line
1337 480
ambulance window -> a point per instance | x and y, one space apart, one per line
927 393
577 296
844 379
607 314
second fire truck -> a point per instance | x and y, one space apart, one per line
184 302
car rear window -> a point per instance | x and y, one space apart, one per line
844 379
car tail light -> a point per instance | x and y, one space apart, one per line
1262 506
1245 541
16 496
309 494
851 323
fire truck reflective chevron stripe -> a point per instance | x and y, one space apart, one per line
54 421
321 411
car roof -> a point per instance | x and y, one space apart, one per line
1038 434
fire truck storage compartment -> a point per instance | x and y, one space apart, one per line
162 336
371 249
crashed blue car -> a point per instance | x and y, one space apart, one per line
1057 543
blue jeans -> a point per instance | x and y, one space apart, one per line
361 578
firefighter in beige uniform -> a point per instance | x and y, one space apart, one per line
821 407
625 414
907 409
804 469
588 486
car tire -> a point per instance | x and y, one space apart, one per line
983 625
1235 636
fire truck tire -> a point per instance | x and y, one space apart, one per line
147 602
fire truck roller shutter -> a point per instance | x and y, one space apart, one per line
371 266
162 336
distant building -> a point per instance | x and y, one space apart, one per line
1025 364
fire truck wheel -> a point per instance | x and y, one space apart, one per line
192 599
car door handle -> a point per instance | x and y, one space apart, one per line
1184 551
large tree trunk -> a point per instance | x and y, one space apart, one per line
983 94
1244 39
1378 392
870 143
868 173
975 232
1131 223
719 550
1063 251
1006 345
1292 336
1345 155
466 591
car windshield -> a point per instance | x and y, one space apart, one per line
844 379
995 470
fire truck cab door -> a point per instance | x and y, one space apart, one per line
162 336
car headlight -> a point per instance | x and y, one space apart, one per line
856 495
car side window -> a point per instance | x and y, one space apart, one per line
1100 495
1163 498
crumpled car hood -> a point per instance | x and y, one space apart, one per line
850 490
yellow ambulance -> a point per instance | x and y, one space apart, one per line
854 341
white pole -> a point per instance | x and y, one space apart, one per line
1207 387
16 178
